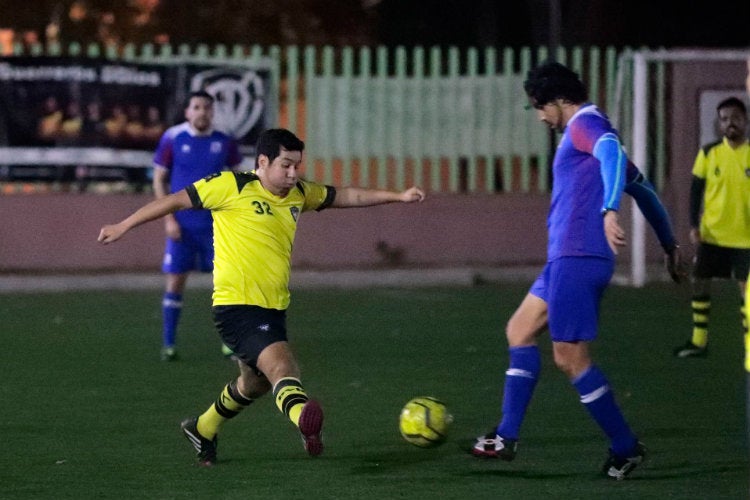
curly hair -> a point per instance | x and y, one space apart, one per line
551 80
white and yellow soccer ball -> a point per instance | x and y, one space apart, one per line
424 422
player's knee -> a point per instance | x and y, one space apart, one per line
277 362
518 333
253 386
571 363
564 365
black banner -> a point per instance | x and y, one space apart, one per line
80 111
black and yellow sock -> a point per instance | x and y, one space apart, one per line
290 398
743 310
701 312
229 403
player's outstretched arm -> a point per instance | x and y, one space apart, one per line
359 197
153 210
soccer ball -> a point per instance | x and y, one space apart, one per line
424 422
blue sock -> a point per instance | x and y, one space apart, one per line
598 399
171 307
520 381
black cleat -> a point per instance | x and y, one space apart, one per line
168 354
206 448
690 350
494 446
619 467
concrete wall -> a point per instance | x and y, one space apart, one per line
57 233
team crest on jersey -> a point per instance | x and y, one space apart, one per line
295 213
185 148
240 98
747 172
717 171
216 147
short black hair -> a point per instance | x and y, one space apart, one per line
272 140
199 93
551 80
732 102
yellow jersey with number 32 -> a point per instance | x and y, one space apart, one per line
254 235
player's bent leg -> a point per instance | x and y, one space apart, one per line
279 365
522 330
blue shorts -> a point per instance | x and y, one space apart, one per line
194 252
573 287
247 330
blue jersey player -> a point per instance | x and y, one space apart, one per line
186 153
590 172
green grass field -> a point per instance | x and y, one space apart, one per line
89 411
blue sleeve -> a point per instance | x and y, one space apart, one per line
613 163
653 210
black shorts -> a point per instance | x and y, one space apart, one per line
247 330
712 261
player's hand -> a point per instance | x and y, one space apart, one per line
412 194
675 265
614 233
110 234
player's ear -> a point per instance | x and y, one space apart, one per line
263 161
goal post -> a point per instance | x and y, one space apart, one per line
664 99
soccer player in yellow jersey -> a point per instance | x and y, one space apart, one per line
255 220
721 187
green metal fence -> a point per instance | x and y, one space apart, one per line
448 119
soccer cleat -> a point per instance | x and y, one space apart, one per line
310 425
226 351
494 446
619 467
206 448
168 353
690 350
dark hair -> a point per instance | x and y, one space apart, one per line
199 93
551 80
272 140
732 102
